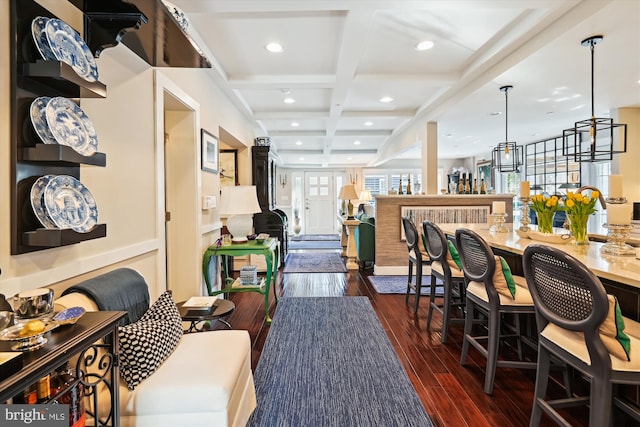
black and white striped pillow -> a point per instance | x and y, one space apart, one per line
145 344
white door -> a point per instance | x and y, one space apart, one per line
320 210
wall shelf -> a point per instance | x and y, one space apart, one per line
158 38
60 77
54 237
61 154
32 77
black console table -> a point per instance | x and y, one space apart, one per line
77 343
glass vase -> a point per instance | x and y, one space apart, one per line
545 221
578 228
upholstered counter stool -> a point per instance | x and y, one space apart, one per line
581 325
445 269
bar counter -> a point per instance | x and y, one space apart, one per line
619 275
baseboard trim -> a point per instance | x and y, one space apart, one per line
397 270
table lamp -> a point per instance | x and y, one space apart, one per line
365 198
348 192
238 204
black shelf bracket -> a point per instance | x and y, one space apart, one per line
104 30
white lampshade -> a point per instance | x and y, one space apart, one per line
348 192
365 196
238 204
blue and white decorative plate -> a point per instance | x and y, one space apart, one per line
40 39
70 204
69 316
38 113
69 47
71 126
37 201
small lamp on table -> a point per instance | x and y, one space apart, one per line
238 204
348 192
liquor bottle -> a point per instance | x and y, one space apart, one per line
467 188
475 186
29 396
482 189
72 394
400 191
461 186
44 389
409 184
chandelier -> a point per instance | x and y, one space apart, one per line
506 156
594 139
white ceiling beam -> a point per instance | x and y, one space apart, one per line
283 81
289 115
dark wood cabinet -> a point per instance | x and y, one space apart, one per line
271 221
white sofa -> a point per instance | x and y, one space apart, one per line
206 381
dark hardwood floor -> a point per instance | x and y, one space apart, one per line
452 394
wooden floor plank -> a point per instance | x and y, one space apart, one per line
452 394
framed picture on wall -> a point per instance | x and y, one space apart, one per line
229 167
209 151
484 171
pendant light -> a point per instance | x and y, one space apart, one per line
506 156
594 139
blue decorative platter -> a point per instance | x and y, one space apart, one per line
69 47
37 201
38 113
69 316
71 126
70 204
39 34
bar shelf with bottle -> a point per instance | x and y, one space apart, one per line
78 345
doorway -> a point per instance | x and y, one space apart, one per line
319 203
181 197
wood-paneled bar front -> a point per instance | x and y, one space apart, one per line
391 249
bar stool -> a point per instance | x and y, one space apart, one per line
573 311
479 265
416 258
450 274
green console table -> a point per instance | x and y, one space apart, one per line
269 248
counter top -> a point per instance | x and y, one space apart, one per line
619 269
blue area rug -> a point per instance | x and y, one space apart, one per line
398 285
318 262
315 244
328 362
325 237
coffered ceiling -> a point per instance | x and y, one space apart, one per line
341 57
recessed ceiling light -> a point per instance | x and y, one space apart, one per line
356 142
386 99
349 158
274 47
289 100
368 123
424 45
301 158
295 124
298 142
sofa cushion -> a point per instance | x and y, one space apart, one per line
145 344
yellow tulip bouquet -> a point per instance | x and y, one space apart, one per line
545 208
578 208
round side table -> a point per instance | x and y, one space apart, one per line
222 308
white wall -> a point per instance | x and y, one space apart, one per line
126 190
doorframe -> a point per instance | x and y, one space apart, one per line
190 252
